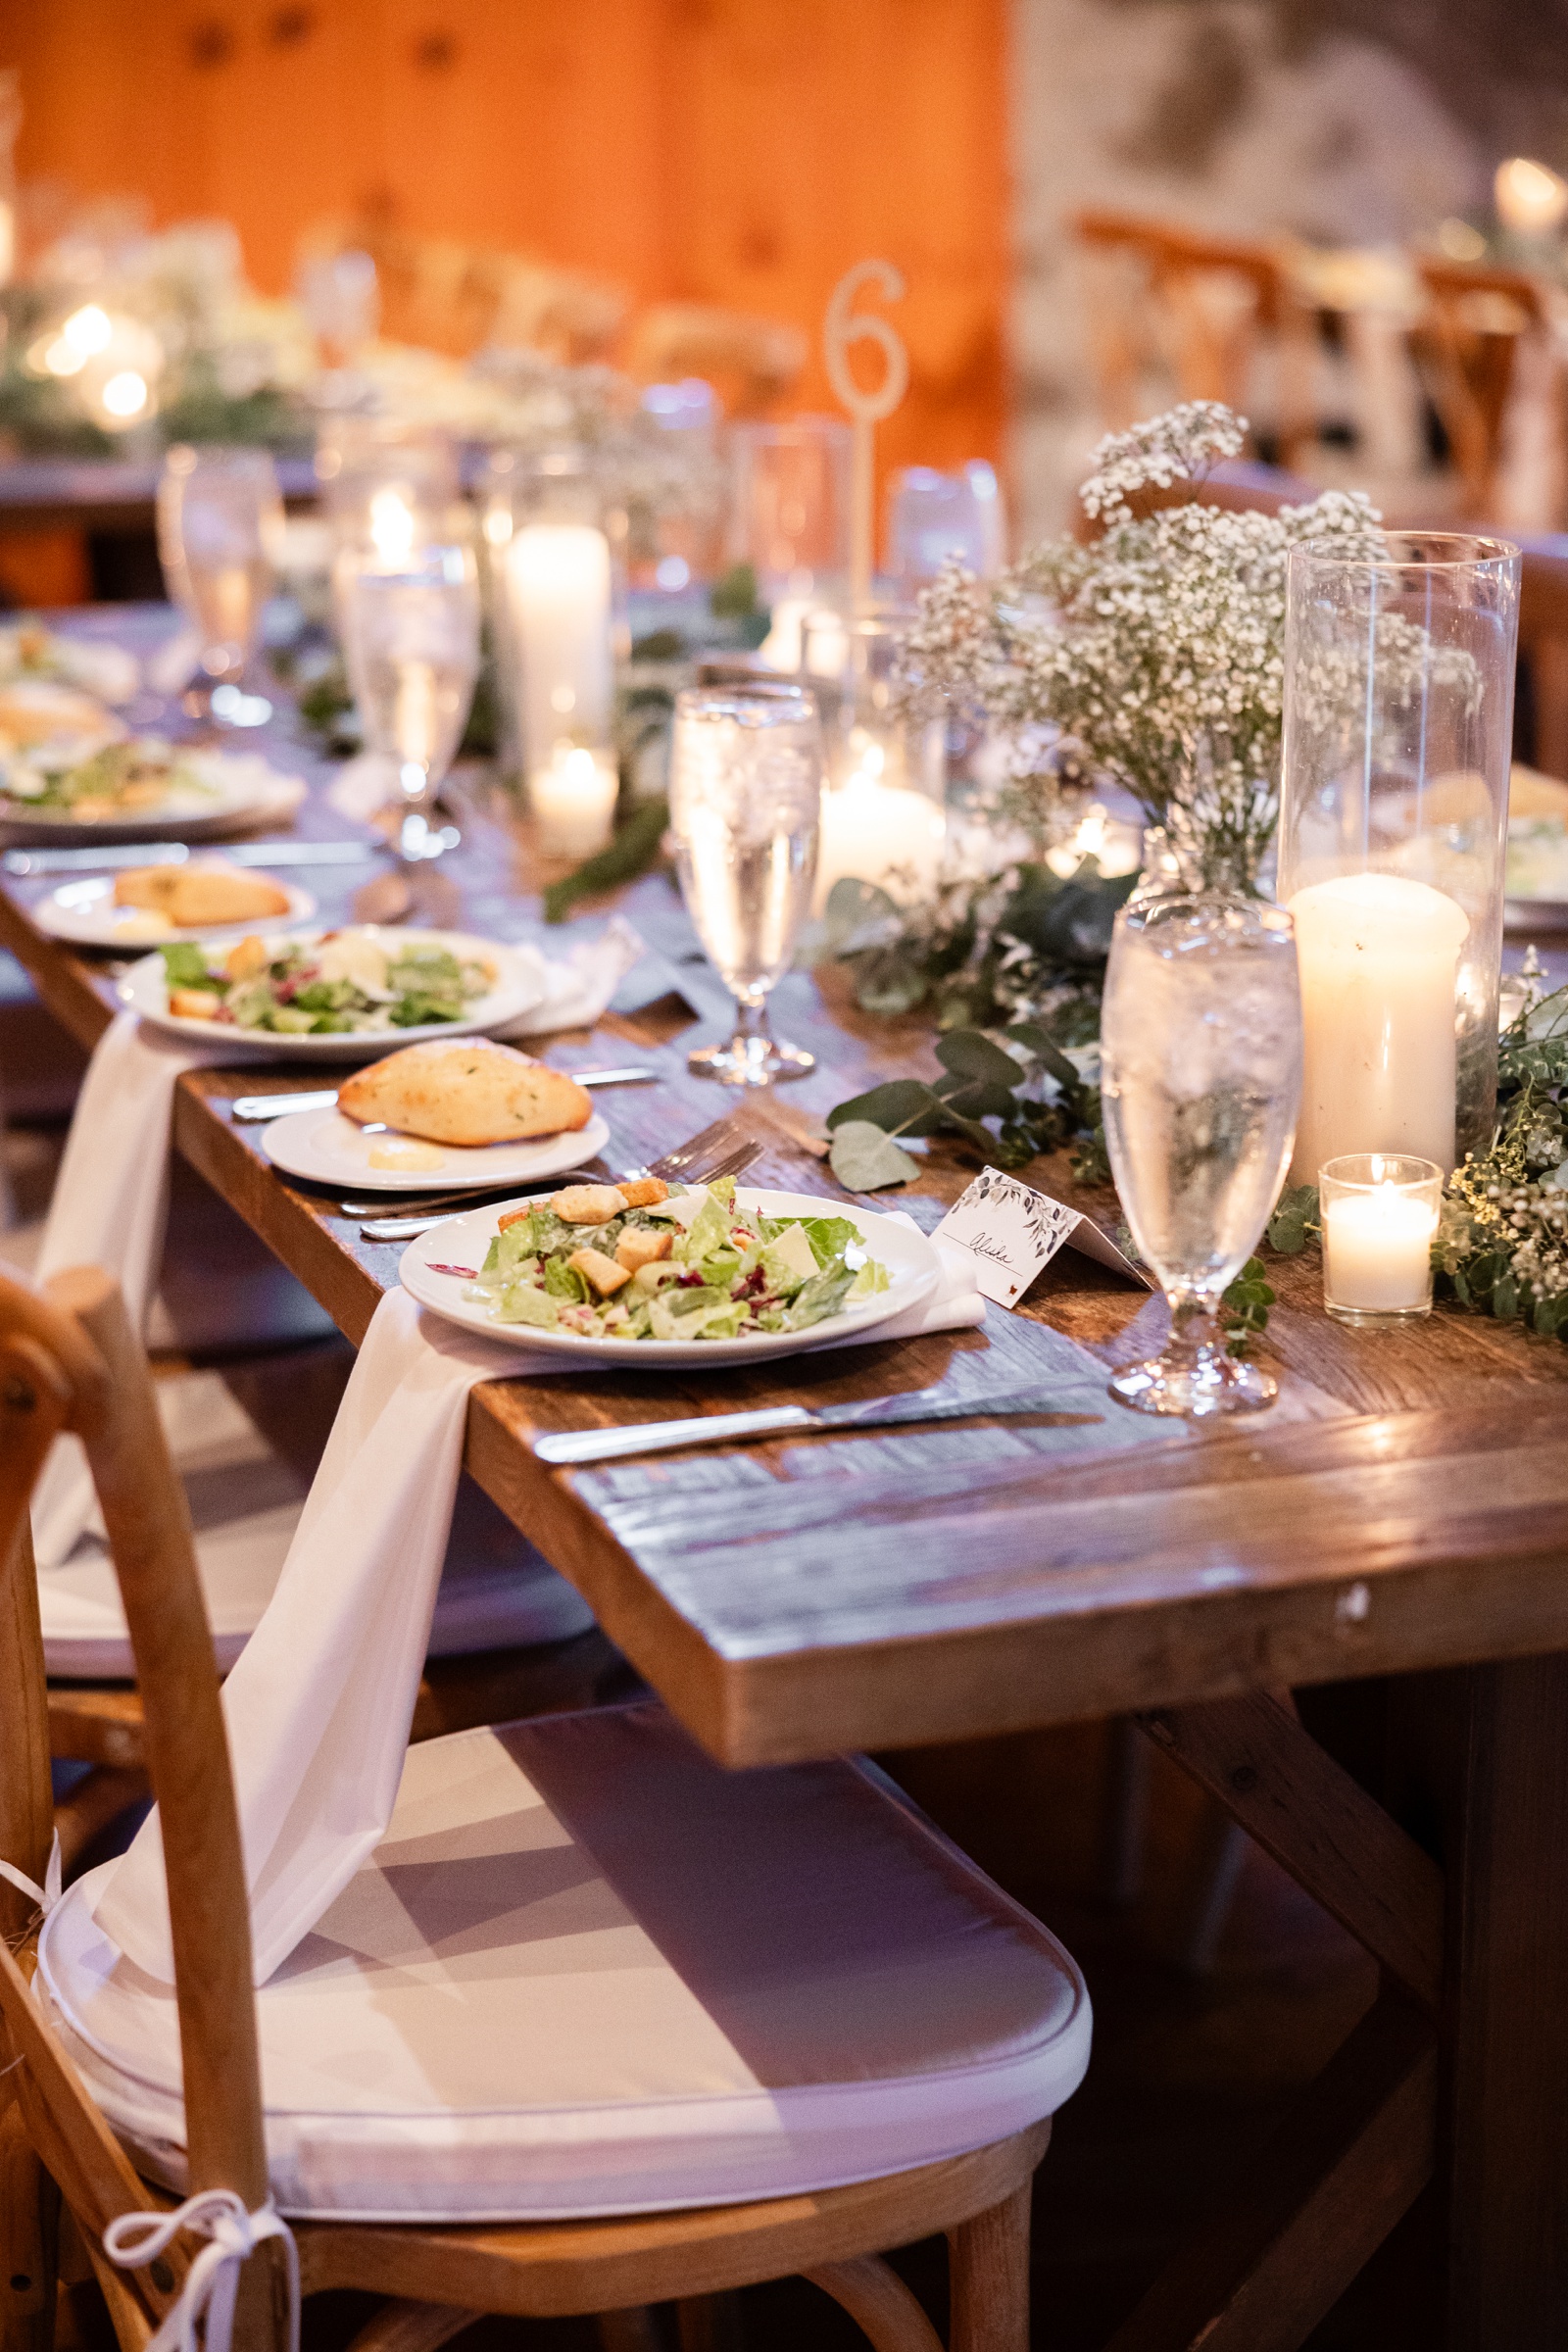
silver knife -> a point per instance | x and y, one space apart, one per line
112 858
247 1108
772 1420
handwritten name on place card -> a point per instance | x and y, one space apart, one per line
1011 1231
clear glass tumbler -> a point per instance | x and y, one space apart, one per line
790 522
412 647
219 539
745 807
1200 1075
1398 737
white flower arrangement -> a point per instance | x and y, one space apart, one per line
1154 648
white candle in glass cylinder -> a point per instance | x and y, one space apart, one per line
573 801
1377 1249
1379 961
874 831
559 585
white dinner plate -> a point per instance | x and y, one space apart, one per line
464 1239
329 1148
519 987
247 791
85 911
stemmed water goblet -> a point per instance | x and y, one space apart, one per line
1200 1075
410 644
220 538
745 807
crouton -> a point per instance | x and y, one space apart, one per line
589 1203
644 1191
246 957
599 1272
193 1004
638 1247
513 1216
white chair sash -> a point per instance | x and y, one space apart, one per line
48 1894
211 2283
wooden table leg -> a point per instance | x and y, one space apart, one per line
1504 2130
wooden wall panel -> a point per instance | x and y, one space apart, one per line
735 151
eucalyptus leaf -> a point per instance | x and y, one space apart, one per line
865 1159
1295 1214
902 1107
970 1054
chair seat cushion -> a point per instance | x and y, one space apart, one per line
588 1972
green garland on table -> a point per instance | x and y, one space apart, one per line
1503 1238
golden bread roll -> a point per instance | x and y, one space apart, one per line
465 1089
199 897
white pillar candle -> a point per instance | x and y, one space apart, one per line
574 800
1379 961
558 585
1377 1249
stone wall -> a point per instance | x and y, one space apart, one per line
1343 122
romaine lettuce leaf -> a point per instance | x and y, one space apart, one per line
186 967
821 1296
830 1237
521 1302
708 1232
872 1277
565 1282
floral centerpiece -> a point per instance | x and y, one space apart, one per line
1150 650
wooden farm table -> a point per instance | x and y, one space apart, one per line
1397 1524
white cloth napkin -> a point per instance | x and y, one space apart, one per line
580 983
110 1205
319 1704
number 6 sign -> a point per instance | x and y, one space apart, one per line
842 328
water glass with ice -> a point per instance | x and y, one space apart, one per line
1201 1075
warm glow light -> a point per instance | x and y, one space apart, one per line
1460 242
88 330
1531 199
125 394
391 526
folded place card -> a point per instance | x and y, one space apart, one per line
1011 1231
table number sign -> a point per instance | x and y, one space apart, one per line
1011 1231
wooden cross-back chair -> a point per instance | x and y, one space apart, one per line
1476 319
69 1360
1203 305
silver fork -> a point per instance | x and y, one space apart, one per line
725 1148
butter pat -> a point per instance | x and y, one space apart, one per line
401 1151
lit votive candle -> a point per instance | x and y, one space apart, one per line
573 801
1379 1214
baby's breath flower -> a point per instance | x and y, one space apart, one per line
1157 651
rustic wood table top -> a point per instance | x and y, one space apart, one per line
1400 1507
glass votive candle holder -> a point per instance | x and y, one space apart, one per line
1378 1217
572 797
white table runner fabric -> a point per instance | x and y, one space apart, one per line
319 1704
111 1199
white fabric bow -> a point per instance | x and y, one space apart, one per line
48 1894
211 2283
